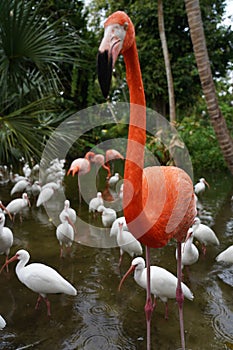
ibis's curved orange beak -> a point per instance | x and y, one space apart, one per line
130 270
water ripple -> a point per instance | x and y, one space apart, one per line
220 311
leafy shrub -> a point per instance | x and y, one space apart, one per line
199 138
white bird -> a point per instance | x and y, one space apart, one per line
6 237
226 255
17 205
163 282
47 191
113 180
189 252
20 186
108 215
65 233
127 243
16 177
68 210
96 202
27 170
114 227
3 209
40 278
199 187
204 234
36 188
2 323
121 192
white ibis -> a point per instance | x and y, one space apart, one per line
121 192
163 282
113 180
40 278
6 237
27 170
65 232
199 187
95 203
226 255
108 215
36 188
189 252
115 224
16 177
2 323
55 171
20 186
47 192
127 243
68 210
17 205
204 234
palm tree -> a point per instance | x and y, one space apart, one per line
203 64
172 107
31 56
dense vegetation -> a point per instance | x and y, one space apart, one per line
48 71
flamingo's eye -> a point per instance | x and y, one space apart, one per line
126 24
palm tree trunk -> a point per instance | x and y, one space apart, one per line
203 65
172 108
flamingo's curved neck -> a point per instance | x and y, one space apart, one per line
136 137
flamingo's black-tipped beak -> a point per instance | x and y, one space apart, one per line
109 50
104 69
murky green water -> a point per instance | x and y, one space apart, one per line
100 317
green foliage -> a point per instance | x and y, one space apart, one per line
33 51
200 140
185 74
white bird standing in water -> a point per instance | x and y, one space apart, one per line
226 255
189 252
20 186
40 278
2 323
113 180
95 203
200 186
114 227
163 282
6 237
65 233
47 191
108 215
204 234
127 243
68 210
17 205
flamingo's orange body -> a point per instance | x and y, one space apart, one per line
158 202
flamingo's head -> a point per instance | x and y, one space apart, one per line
73 170
90 155
118 37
